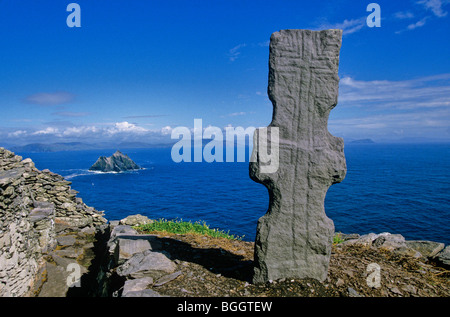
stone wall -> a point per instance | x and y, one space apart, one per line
32 204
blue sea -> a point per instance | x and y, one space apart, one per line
401 189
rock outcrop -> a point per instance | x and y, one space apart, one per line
43 228
424 249
118 162
138 261
294 237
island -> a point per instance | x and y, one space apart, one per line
362 141
118 162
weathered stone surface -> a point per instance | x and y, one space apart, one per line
389 241
147 263
66 240
136 285
134 220
167 278
426 248
43 210
444 256
294 238
127 247
116 232
364 240
143 293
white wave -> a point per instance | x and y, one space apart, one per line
80 173
88 172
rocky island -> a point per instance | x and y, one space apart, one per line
118 162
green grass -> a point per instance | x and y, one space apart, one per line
183 227
338 238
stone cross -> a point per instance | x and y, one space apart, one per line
294 237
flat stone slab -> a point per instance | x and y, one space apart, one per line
146 263
143 293
426 248
444 256
134 220
128 245
136 285
68 240
167 278
7 177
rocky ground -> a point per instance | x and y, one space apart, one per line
219 267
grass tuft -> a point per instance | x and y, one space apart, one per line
184 227
338 238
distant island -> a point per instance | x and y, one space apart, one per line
362 141
118 162
80 146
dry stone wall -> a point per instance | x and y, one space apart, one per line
32 204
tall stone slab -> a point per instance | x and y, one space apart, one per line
294 237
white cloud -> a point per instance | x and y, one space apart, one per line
234 53
418 24
406 120
18 133
424 92
264 44
434 6
99 132
85 131
80 131
49 130
166 130
234 114
347 26
70 114
380 108
237 114
126 127
50 99
404 15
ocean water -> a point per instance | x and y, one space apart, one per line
388 188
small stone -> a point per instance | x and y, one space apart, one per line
353 293
395 290
167 278
340 282
135 220
136 285
389 241
410 289
66 240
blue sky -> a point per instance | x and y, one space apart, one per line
134 70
